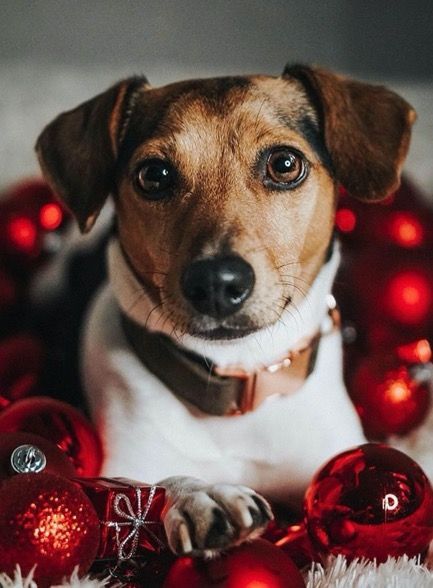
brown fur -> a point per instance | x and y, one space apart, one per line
366 130
212 131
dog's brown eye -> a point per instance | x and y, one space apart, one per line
286 167
154 178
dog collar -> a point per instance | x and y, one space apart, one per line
231 390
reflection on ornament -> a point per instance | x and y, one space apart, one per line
390 502
371 501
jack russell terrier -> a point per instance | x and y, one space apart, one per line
212 358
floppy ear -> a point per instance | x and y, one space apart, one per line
366 130
78 150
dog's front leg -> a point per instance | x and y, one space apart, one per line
203 518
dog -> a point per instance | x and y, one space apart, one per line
212 358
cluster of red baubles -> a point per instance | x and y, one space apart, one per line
385 289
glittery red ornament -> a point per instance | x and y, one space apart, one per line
57 461
21 361
61 424
371 501
46 520
388 396
257 564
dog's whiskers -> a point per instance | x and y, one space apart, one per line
159 305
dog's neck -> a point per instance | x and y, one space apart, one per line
254 351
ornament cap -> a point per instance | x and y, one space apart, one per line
28 459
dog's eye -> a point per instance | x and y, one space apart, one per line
286 167
154 177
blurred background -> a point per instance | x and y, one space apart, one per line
56 53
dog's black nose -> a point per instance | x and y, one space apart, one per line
218 286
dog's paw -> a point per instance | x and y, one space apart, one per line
207 519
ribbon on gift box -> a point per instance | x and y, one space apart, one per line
130 516
135 520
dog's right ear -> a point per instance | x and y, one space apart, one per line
78 150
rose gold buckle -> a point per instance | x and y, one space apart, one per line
248 390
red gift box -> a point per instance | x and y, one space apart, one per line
130 516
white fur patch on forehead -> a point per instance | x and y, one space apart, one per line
288 96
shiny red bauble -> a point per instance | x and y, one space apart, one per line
22 358
388 396
371 501
57 461
255 564
60 423
46 520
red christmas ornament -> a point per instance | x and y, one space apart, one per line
57 461
257 564
28 211
21 361
371 501
409 296
388 395
46 520
402 220
61 424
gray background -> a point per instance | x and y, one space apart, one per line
57 53
368 37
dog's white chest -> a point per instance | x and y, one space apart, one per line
149 434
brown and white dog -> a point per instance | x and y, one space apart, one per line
210 358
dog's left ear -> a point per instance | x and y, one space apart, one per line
366 129
77 151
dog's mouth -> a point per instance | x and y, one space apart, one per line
223 333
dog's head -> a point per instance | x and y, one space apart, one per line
225 189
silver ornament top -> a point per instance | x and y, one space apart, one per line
28 459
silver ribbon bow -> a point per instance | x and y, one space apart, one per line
127 547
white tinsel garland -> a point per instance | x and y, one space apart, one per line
394 573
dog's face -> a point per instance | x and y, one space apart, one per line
224 203
225 189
